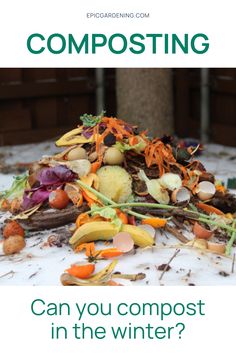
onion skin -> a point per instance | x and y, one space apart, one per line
58 199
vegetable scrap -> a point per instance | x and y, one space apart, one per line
119 186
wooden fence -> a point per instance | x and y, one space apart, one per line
39 104
222 105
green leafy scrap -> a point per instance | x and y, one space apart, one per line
122 147
107 213
17 188
90 121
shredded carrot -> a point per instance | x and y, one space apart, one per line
90 198
89 248
209 209
116 127
157 153
133 140
98 254
155 222
95 166
143 135
220 188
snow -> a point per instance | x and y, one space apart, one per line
39 264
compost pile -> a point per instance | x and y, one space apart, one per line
116 184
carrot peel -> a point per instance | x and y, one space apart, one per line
155 222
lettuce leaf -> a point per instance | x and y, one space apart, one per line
17 188
122 147
107 213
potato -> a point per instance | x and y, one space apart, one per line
113 156
115 183
13 244
77 153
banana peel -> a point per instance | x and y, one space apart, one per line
105 273
102 278
131 277
74 137
99 279
105 231
67 280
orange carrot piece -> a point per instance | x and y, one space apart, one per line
133 140
81 219
109 253
123 217
155 222
89 200
95 166
82 271
89 248
209 209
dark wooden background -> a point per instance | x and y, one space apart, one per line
222 104
39 104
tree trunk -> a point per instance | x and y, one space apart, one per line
144 97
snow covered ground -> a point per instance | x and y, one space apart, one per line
39 264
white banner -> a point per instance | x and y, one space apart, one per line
117 34
86 320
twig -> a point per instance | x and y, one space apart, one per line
233 264
8 273
167 265
176 233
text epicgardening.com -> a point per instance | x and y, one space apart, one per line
122 15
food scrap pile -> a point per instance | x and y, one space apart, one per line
115 184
